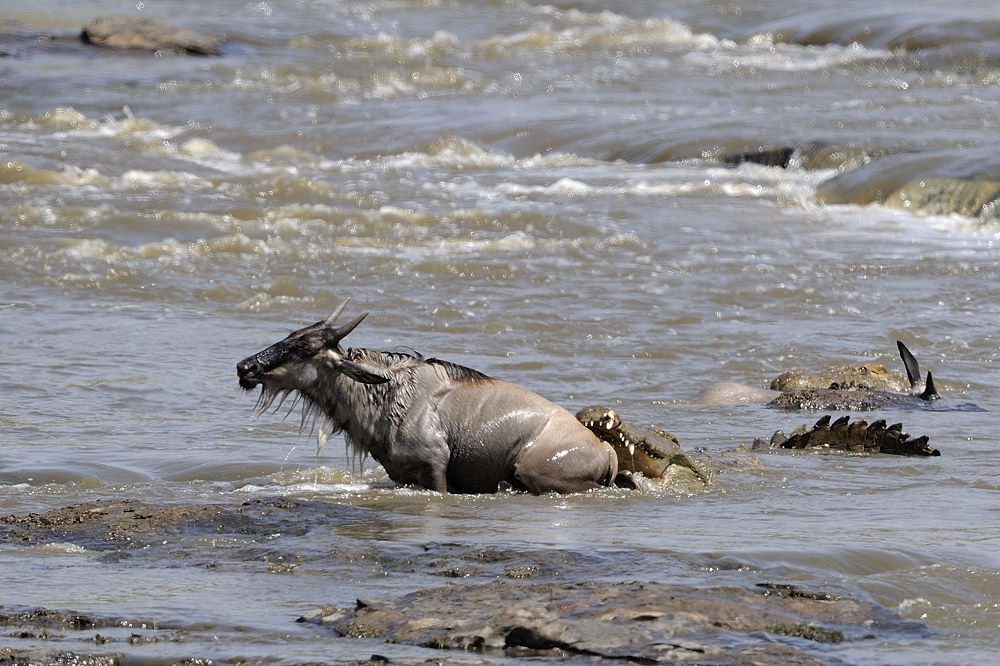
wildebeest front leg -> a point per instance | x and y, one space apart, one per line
419 461
431 473
421 474
569 468
433 478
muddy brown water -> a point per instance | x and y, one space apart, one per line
547 193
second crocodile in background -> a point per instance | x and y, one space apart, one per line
860 388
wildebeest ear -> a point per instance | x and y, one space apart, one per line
362 373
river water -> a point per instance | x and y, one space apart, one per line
549 193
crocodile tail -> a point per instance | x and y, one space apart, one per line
930 392
857 436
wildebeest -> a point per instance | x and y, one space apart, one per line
428 422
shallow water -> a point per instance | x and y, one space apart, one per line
536 191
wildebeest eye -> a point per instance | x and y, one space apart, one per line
308 346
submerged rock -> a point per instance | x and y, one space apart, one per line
638 622
54 657
813 155
944 196
936 182
134 526
775 156
130 32
963 181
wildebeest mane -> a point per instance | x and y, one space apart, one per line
458 372
401 360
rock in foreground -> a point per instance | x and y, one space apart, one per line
640 622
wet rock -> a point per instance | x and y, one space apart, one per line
11 657
55 625
842 157
944 196
856 437
644 622
963 181
45 618
940 182
779 156
130 32
809 156
128 525
639 622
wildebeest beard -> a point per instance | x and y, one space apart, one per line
315 409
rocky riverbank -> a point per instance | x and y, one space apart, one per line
478 616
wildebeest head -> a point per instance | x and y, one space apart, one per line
295 362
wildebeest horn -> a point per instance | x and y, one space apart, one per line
341 332
332 319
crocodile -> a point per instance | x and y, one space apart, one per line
863 387
652 453
872 375
856 396
857 437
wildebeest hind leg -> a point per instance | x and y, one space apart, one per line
566 469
